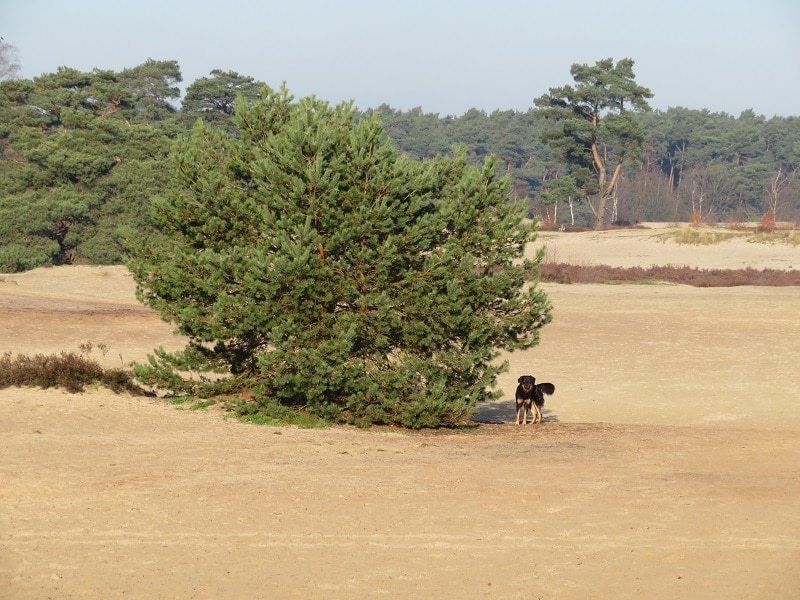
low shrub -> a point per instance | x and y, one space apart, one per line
67 370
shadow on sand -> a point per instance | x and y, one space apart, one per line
504 411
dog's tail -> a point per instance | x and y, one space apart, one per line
547 388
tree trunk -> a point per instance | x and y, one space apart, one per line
601 212
606 191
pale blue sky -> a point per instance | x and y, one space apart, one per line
444 56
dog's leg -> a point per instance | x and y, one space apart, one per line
518 407
538 417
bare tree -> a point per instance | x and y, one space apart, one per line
646 195
774 192
706 192
9 61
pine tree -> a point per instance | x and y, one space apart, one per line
321 268
599 131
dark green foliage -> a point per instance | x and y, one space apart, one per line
152 85
68 370
514 138
80 159
81 154
269 411
213 98
741 166
718 167
323 269
421 135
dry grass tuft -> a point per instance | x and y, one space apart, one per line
700 236
697 236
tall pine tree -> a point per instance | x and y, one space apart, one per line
599 131
318 267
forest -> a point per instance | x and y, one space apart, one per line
82 155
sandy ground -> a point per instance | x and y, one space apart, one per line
645 247
668 465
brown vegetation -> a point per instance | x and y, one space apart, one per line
67 370
565 273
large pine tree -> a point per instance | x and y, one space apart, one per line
599 131
319 267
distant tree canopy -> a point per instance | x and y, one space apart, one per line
320 268
213 98
81 154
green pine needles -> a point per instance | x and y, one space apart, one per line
312 265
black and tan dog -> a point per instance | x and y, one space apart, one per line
530 397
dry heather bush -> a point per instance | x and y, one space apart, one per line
66 370
767 223
564 273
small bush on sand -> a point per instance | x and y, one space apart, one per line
67 370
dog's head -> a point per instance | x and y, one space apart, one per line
527 382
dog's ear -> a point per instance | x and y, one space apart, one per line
519 380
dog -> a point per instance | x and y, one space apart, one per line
530 397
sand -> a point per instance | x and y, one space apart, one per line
668 465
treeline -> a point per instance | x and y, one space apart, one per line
695 164
82 154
